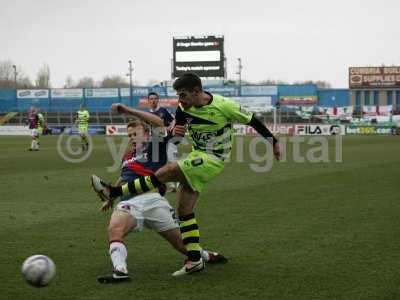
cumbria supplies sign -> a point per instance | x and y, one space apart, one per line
360 77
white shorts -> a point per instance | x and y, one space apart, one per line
172 152
34 132
83 129
150 210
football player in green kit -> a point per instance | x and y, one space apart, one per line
208 118
82 120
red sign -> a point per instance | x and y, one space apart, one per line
297 100
163 102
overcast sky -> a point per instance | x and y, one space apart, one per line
280 39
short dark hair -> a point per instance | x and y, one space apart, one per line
153 94
136 123
188 81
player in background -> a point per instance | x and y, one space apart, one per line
36 123
150 209
82 120
209 119
172 151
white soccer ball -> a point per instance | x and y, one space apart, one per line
38 270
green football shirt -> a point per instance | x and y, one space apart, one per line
211 126
83 118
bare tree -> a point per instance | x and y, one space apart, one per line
24 82
86 82
322 84
7 74
267 82
69 83
43 77
114 81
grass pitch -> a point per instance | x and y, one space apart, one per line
300 231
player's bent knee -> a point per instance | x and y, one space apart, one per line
120 224
115 232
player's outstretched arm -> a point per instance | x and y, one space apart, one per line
264 132
144 116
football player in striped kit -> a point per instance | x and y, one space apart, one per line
146 153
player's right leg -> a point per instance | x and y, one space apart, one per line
120 224
189 229
84 139
197 169
34 141
173 236
33 144
169 172
162 218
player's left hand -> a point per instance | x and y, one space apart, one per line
107 205
277 151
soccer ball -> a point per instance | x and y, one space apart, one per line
38 270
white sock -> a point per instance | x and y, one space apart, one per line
172 185
33 144
204 255
118 254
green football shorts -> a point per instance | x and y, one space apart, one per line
200 168
83 129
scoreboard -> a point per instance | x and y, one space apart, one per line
202 55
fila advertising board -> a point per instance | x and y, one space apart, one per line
318 129
203 55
